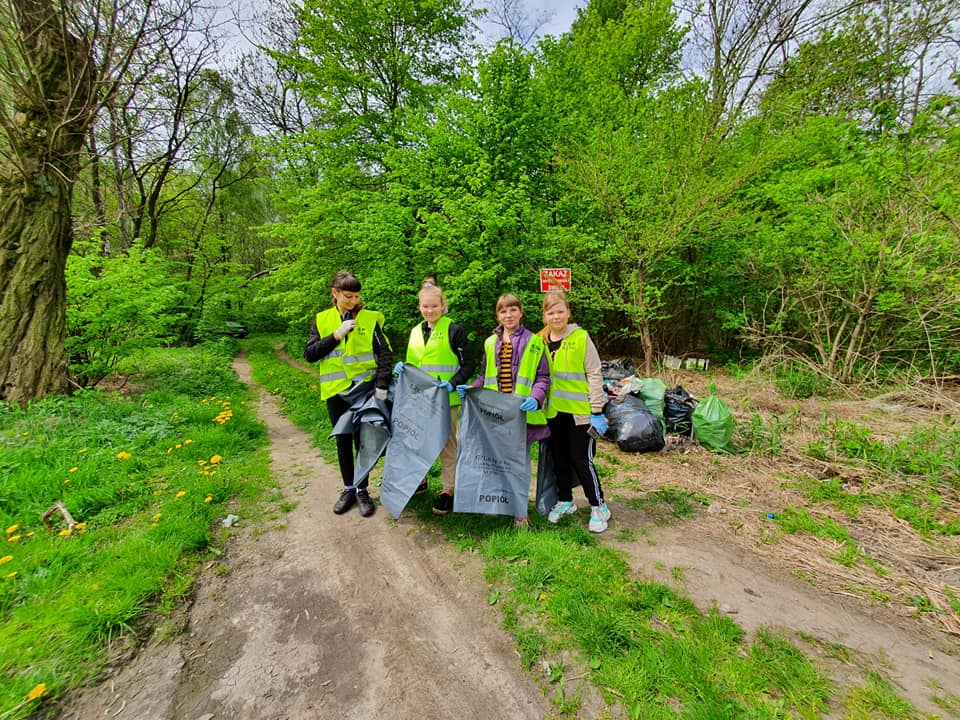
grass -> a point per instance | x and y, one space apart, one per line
925 465
145 478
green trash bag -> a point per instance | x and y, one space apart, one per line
713 423
651 392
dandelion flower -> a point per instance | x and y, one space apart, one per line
36 692
156 517
5 559
124 455
81 525
187 441
215 459
543 596
67 481
201 463
169 450
208 498
178 446
13 538
11 575
181 493
12 529
73 469
66 532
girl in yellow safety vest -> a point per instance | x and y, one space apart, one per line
439 348
515 362
574 410
348 341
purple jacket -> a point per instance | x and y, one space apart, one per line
541 385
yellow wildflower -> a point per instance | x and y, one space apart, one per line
95 587
11 575
36 692
12 529
64 533
156 517
543 596
169 450
181 493
67 481
5 559
201 463
208 498
30 534
215 459
73 469
81 525
13 538
187 441
124 455
178 446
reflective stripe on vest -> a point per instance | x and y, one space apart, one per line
353 359
526 372
569 389
435 356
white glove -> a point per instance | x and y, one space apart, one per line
381 393
346 326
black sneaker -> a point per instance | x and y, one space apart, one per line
347 500
367 508
443 504
421 488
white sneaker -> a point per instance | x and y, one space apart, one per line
565 507
598 518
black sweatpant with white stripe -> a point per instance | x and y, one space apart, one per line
573 451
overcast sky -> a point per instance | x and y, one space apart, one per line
561 14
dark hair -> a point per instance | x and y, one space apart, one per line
345 280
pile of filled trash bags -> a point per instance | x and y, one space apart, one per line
642 411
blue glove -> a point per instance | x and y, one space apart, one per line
462 390
398 368
599 423
529 405
446 385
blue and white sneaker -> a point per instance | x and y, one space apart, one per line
598 518
564 507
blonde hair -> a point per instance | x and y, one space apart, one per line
552 298
429 285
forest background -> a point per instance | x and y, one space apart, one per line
772 179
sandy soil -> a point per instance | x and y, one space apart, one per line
321 616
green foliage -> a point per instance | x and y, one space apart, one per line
117 306
145 478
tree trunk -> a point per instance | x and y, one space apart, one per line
35 238
52 114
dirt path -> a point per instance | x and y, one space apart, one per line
325 616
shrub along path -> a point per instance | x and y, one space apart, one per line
340 617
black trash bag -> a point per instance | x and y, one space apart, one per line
632 426
678 407
617 369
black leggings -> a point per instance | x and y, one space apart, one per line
347 445
573 451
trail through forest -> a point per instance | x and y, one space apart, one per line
314 615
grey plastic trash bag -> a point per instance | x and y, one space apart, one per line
493 470
420 424
369 420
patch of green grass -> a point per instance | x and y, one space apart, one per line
925 462
677 502
876 700
765 437
145 478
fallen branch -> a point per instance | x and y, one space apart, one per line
67 517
